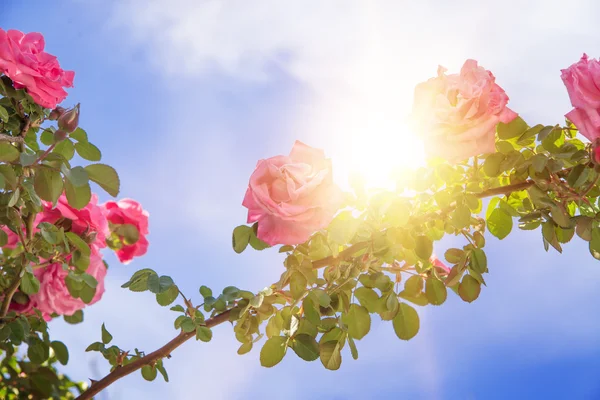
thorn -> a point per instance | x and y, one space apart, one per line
93 382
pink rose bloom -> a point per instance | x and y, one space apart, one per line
456 114
89 220
54 297
23 59
439 265
129 211
582 80
292 196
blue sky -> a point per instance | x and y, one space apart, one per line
184 96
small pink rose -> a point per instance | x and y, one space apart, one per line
456 114
582 80
439 265
89 222
292 196
128 212
54 297
24 61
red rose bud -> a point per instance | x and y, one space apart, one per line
69 121
56 113
60 135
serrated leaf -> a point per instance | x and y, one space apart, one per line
106 336
499 223
8 152
435 290
88 151
105 176
469 289
273 351
330 354
60 351
48 184
357 320
406 322
168 296
306 347
241 238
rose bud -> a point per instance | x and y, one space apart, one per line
56 113
69 121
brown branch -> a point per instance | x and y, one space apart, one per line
10 292
12 139
148 359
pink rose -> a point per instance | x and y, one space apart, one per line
90 220
54 297
128 211
582 80
456 114
23 59
292 196
440 267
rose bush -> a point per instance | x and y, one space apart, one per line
344 261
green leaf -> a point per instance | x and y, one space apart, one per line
205 291
435 290
358 321
245 348
310 311
203 333
48 184
353 349
423 247
469 288
513 129
538 162
60 351
79 134
105 176
187 325
78 197
78 176
584 228
27 159
14 198
168 296
343 228
96 346
38 352
273 351
413 285
106 336
29 284
368 298
241 238
297 284
406 322
3 238
159 285
330 354
461 216
76 318
3 114
321 297
65 148
500 223
149 372
162 370
479 260
88 151
8 152
306 347
595 243
453 255
492 164
47 136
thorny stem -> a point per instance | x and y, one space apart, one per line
165 351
